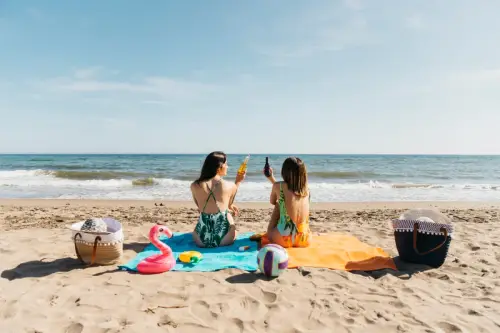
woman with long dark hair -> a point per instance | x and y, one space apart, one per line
214 198
289 226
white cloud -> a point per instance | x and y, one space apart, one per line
121 123
87 73
330 37
90 80
327 29
447 84
94 72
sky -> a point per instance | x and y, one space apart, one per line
281 76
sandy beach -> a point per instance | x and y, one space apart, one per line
43 288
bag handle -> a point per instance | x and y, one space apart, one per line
94 250
415 233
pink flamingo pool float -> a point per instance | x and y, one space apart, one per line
158 263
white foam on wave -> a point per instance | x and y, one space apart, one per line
40 184
40 178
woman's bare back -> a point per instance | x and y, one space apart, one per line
223 192
297 207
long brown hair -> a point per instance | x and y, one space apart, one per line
213 162
294 174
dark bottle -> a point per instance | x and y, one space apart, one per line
267 168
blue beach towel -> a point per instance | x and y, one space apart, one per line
214 259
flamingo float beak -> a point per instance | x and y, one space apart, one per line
167 232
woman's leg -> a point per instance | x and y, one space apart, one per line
275 216
197 240
275 237
229 238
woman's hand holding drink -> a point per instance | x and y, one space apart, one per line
267 168
240 177
268 172
242 170
243 166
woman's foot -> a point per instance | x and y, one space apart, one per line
257 237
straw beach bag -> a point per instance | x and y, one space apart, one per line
423 236
98 243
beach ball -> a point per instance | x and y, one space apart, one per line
272 260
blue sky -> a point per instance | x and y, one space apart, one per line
258 76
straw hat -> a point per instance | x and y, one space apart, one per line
95 225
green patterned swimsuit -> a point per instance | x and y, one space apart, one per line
211 228
293 233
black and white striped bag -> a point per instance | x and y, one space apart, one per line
420 239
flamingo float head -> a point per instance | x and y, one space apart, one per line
159 229
158 263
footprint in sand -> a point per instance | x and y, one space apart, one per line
53 300
246 308
449 327
165 320
472 312
201 310
352 306
474 247
9 310
74 328
268 297
397 304
166 298
238 324
124 322
6 251
407 290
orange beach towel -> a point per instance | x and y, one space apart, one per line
338 251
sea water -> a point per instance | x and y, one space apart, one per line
346 178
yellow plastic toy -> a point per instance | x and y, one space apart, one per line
190 257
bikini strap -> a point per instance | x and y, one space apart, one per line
211 194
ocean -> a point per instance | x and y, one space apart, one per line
332 178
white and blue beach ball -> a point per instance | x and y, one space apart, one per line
272 260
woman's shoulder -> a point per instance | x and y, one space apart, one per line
278 186
226 184
225 187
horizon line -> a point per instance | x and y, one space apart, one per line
271 154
